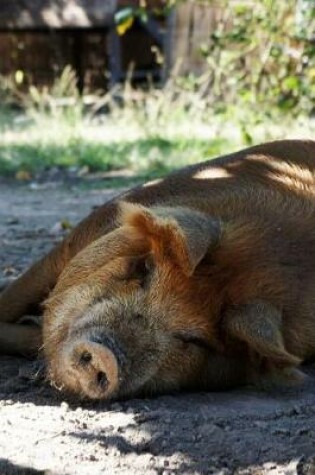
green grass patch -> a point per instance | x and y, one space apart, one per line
150 137
149 156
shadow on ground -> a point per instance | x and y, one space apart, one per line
225 432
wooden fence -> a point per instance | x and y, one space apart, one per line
41 37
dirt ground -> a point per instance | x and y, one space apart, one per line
236 432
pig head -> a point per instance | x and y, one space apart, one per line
171 299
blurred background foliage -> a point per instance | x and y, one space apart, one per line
260 52
257 83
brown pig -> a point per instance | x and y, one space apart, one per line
202 280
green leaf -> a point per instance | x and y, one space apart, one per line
124 15
291 83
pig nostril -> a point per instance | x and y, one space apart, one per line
93 367
102 380
85 358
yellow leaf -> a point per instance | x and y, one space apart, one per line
65 224
23 175
124 26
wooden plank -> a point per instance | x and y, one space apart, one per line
114 57
151 4
188 27
179 38
39 14
203 21
168 45
42 56
152 26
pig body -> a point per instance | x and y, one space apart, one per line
204 279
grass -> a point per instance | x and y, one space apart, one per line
149 136
32 146
149 155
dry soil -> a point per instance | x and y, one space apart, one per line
235 432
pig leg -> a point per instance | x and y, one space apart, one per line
23 296
26 294
20 339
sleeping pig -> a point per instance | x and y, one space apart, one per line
202 280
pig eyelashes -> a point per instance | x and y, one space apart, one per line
192 339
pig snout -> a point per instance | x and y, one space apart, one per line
94 366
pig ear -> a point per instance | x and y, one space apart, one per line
258 324
181 234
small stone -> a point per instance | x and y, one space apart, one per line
280 431
56 228
64 406
8 402
303 431
12 220
260 424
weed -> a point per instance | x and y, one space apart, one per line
150 132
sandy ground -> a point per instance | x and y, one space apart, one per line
236 432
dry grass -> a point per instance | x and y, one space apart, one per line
149 131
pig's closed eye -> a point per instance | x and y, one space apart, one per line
193 339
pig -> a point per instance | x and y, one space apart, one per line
203 280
